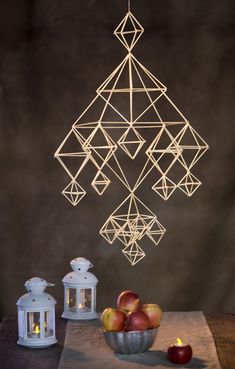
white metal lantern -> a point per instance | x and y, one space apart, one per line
36 315
80 291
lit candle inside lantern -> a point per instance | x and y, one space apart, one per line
35 330
179 352
82 307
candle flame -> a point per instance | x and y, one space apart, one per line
81 306
36 328
179 342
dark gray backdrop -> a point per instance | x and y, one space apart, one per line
54 54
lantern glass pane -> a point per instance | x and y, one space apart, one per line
21 323
33 324
85 299
67 298
72 299
48 323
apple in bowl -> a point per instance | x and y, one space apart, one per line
112 319
154 314
136 321
128 301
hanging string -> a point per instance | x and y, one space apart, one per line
129 5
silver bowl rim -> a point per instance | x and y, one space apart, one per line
130 332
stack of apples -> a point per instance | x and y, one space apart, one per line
131 314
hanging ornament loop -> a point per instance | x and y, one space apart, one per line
129 5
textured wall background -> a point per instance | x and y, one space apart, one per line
54 54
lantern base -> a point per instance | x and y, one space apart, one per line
37 343
79 316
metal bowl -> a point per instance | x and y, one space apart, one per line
133 342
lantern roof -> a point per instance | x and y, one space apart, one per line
37 285
84 278
36 297
80 274
36 301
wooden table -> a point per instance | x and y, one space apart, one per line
13 356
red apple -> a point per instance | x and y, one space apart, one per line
154 313
112 319
136 321
180 354
128 301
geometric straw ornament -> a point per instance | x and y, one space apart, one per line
132 118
